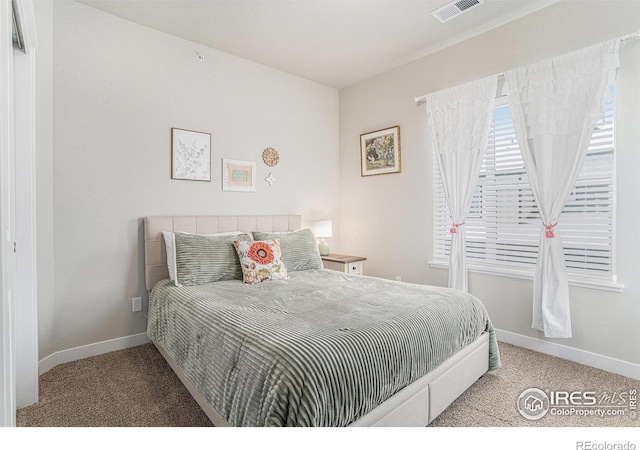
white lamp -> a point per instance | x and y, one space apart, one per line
322 229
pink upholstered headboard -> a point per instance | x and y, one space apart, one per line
155 255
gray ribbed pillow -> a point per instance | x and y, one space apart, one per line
299 249
204 259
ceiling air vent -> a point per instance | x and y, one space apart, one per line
454 9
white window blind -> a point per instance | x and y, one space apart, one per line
503 225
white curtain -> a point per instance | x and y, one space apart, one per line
460 119
555 105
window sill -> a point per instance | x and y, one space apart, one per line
574 280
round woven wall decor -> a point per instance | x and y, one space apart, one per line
270 157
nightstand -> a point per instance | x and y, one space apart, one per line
344 263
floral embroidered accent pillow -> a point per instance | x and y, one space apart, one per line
260 261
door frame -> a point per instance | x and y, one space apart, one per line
7 257
18 280
26 338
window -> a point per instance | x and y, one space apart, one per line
503 225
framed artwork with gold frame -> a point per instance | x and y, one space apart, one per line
380 152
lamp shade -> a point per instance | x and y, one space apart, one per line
322 228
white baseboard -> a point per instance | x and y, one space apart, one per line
618 366
85 351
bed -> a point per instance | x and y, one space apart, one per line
314 347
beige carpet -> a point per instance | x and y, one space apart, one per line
136 388
133 387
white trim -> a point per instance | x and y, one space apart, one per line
607 363
86 351
7 257
26 296
574 280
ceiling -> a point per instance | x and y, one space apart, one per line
337 43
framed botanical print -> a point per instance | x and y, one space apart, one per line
380 152
238 175
190 155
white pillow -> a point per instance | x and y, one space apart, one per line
170 246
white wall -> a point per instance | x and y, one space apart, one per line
117 90
44 178
109 92
388 218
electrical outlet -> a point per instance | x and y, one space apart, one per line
398 278
136 304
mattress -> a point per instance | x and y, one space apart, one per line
319 349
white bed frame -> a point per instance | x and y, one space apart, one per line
416 405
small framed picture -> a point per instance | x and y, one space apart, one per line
190 155
238 175
380 152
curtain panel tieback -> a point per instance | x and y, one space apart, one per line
454 228
548 230
555 105
459 120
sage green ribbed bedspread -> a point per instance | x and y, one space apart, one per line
320 349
